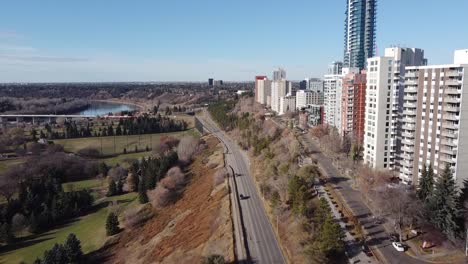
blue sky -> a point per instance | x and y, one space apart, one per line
191 40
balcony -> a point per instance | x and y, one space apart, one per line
407 164
411 89
411 98
450 108
451 117
410 121
409 105
412 74
447 159
452 82
408 149
452 74
448 151
452 99
451 91
451 143
409 112
408 127
408 135
447 134
449 125
411 82
408 142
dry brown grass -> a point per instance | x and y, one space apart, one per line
198 224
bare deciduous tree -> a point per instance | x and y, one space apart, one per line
159 197
186 148
219 176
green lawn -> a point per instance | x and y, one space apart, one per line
116 145
5 164
81 185
90 229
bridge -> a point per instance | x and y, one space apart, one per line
49 118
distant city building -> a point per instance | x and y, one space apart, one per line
335 68
287 104
218 82
303 85
385 77
434 130
360 32
279 74
211 82
304 98
315 85
279 89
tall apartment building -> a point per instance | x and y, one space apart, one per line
385 78
262 89
435 119
287 104
360 31
305 98
279 74
353 105
315 85
279 89
335 68
332 85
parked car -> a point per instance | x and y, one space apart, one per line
398 246
393 237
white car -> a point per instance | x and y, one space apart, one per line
398 246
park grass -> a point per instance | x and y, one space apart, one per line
82 185
5 164
89 229
123 159
115 145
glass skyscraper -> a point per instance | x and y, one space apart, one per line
360 27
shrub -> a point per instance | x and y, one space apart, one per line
89 153
214 259
159 197
174 179
134 217
219 177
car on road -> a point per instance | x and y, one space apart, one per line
243 197
398 246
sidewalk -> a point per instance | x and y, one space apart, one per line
354 253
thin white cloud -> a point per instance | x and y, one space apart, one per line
16 49
39 58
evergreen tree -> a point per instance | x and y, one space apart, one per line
112 188
463 206
444 206
56 255
142 196
112 224
6 234
72 249
426 184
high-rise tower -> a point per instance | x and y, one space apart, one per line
360 27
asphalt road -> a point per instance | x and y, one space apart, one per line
262 246
377 237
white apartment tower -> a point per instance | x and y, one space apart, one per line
332 85
435 119
307 98
262 89
385 78
279 89
287 104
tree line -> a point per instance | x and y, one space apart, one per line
131 126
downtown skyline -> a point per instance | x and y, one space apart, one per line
54 42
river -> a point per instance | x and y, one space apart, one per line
104 108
